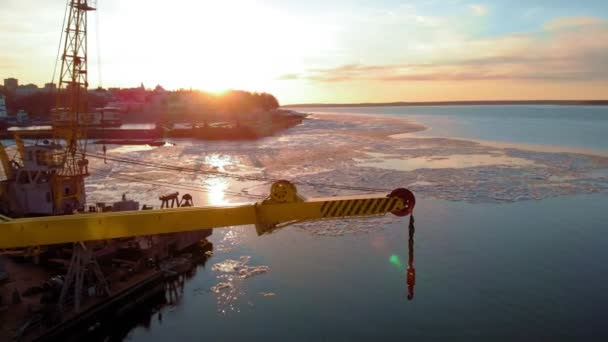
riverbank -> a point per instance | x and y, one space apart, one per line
271 124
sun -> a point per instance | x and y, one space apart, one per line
206 45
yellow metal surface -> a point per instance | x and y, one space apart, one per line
20 146
6 163
100 226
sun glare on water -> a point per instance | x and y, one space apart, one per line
217 185
217 188
219 162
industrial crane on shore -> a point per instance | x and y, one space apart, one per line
48 177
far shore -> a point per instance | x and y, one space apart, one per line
251 129
455 103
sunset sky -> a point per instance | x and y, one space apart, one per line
328 51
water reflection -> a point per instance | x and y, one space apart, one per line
218 185
230 290
217 188
219 162
230 238
150 306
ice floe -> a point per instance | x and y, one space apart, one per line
232 275
354 150
221 287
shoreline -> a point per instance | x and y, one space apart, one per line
413 134
454 103
274 123
509 145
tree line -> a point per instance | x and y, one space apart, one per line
154 105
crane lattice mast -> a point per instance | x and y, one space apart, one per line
70 117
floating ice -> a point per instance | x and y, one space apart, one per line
455 161
232 274
248 272
345 227
240 267
227 266
221 287
353 150
130 149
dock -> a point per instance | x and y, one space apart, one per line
247 130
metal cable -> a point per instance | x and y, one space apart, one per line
180 186
173 185
98 41
65 14
236 176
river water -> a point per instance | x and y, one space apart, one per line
510 242
581 127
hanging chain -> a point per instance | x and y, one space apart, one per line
411 271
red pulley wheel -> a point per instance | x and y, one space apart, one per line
408 199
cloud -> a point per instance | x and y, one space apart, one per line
478 10
467 70
288 77
569 23
559 54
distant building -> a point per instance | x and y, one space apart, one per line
3 112
127 106
140 93
27 89
101 92
113 91
48 87
11 84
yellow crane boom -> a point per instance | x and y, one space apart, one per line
284 206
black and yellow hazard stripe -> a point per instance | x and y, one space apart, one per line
360 207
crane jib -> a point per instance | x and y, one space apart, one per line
267 216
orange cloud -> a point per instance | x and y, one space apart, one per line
566 23
571 49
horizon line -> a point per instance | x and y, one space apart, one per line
596 102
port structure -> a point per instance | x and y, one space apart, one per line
284 206
70 118
48 177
